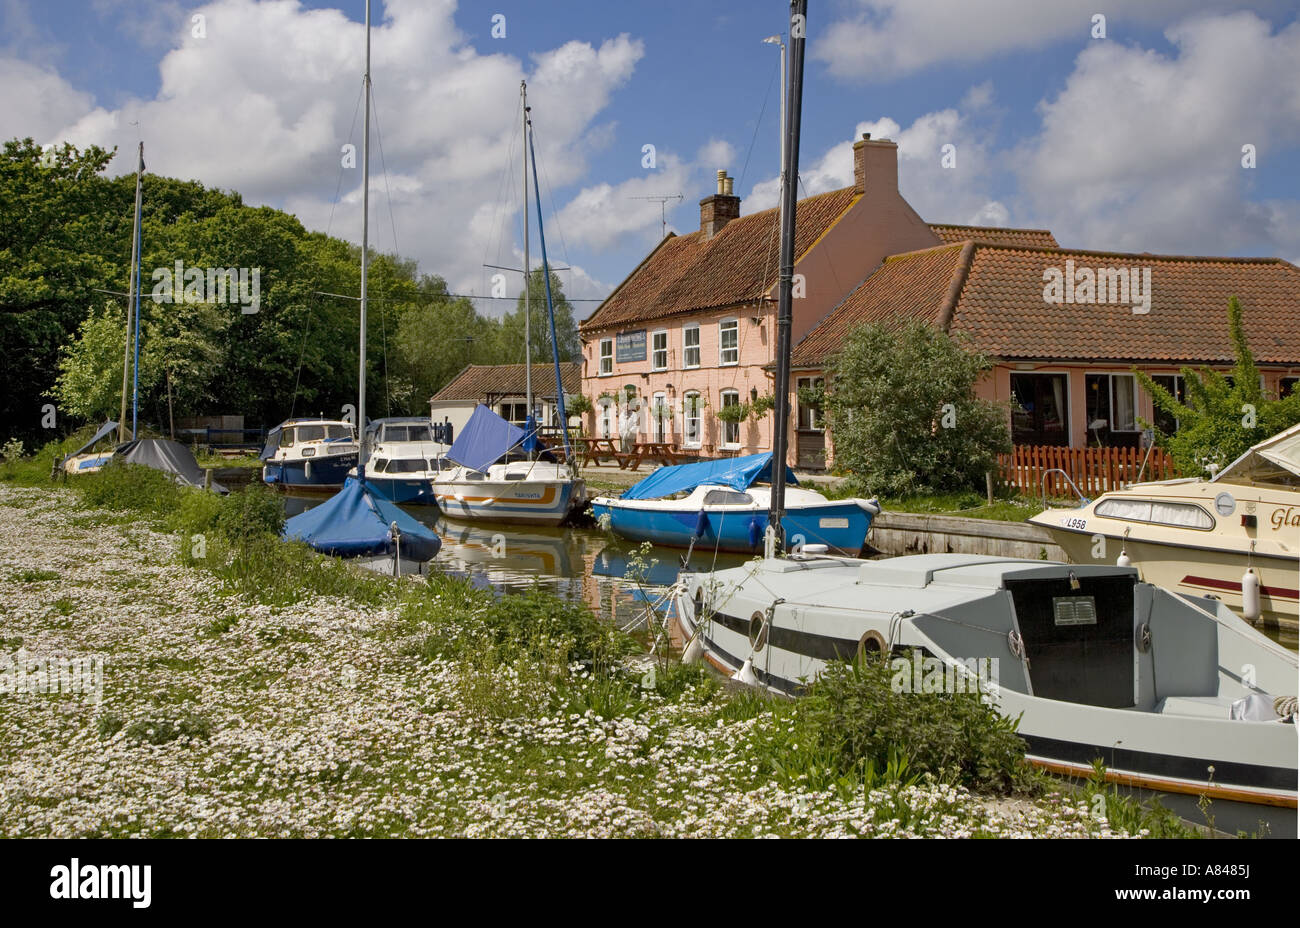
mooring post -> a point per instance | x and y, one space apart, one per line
207 478
988 485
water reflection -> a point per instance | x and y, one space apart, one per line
578 564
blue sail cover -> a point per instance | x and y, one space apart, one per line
106 429
532 441
737 473
355 521
485 438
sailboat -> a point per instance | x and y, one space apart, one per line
84 460
358 522
485 484
1093 662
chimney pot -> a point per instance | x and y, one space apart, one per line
718 210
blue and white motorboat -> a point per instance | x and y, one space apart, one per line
720 505
406 453
309 454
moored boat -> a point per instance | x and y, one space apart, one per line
407 454
722 505
309 454
1235 537
1094 662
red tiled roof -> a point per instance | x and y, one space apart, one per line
478 381
1001 306
992 235
905 286
738 265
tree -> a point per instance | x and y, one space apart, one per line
566 329
1222 418
90 368
904 413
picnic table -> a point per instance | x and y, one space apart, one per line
664 452
595 450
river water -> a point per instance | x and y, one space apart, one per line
579 564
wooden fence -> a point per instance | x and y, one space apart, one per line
1094 470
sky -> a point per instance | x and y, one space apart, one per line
1125 134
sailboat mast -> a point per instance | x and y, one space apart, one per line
789 197
132 310
550 312
365 258
528 316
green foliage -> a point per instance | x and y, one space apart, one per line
566 327
579 404
735 413
89 385
763 405
250 513
122 486
1220 420
905 415
853 725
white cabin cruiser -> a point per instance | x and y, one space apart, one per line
406 453
1235 537
1095 662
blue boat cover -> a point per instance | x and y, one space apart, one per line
272 443
355 522
485 438
532 442
737 473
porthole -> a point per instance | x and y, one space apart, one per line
872 643
758 631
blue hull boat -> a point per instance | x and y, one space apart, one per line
309 454
725 510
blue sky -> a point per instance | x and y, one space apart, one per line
1128 142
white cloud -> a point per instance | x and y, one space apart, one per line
957 195
263 105
1142 151
886 39
45 104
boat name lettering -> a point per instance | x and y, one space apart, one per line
1288 516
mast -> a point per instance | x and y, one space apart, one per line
550 311
132 312
365 256
528 315
789 197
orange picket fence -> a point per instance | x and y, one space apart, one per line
1093 470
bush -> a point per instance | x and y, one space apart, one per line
904 412
254 511
128 486
1220 420
853 721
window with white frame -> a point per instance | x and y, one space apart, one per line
1177 388
606 357
691 419
1111 403
729 341
691 346
810 417
659 350
730 430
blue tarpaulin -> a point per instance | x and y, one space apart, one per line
485 438
355 521
105 429
737 473
532 442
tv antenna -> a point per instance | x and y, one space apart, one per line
663 209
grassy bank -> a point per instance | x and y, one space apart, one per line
252 687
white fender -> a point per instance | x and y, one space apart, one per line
694 650
1250 606
746 674
1124 560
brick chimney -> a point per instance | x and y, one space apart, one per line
718 210
875 165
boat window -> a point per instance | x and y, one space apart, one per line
474 475
1134 510
419 433
516 476
337 431
406 466
286 438
311 432
379 465
1182 515
435 464
727 498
